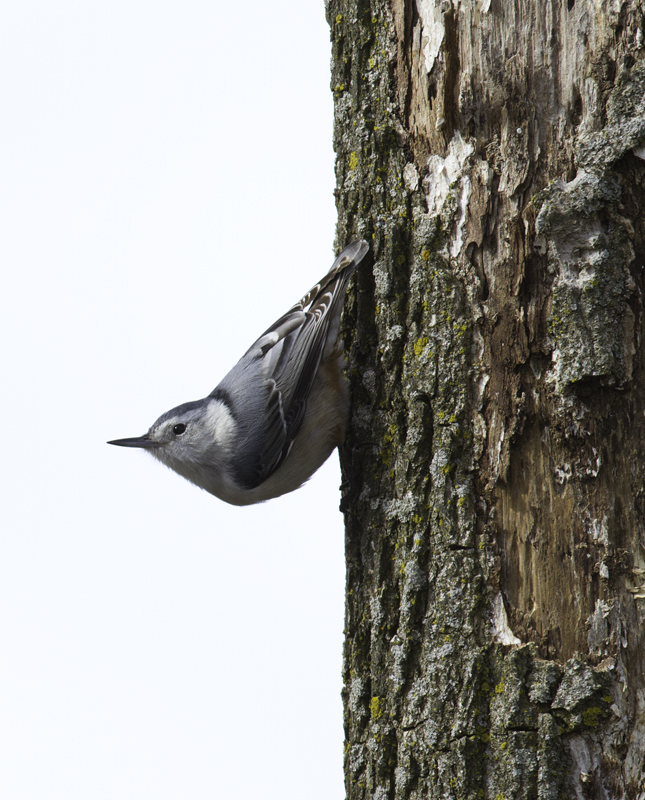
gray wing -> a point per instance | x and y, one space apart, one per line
268 388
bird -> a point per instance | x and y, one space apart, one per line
278 414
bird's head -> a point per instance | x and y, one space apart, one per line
191 439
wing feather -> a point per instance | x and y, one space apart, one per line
270 385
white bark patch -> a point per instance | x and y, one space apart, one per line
458 241
598 636
432 29
401 509
415 579
499 623
376 611
439 461
381 280
410 177
356 694
600 531
482 383
443 173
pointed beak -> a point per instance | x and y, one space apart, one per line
137 441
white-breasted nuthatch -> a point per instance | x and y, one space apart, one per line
278 414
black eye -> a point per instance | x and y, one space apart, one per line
179 429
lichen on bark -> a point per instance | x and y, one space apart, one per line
489 153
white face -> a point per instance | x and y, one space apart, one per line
192 430
196 440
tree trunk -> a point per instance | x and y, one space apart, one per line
490 152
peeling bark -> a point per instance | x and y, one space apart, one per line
492 154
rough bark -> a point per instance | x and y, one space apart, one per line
491 153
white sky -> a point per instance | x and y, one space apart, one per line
166 177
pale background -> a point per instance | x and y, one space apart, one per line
166 178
